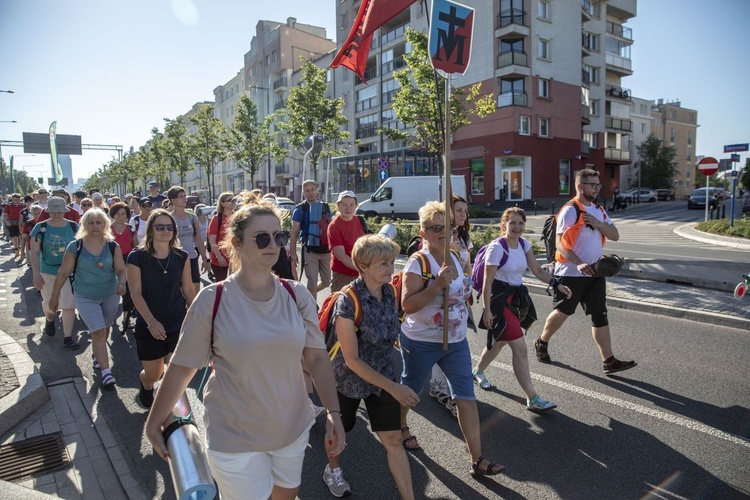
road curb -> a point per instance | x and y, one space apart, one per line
31 393
707 317
689 232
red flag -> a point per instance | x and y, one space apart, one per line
371 16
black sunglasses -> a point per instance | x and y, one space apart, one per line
164 227
262 240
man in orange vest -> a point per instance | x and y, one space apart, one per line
582 228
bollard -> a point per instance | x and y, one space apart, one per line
723 211
553 208
534 208
188 462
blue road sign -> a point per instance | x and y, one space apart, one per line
383 174
735 157
736 148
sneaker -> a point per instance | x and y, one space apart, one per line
481 379
16 252
96 363
434 393
541 351
614 365
451 405
71 344
146 397
49 327
538 404
445 400
335 481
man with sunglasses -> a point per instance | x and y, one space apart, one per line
139 221
580 243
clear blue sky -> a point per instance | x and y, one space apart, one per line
110 71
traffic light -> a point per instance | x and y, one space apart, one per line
40 180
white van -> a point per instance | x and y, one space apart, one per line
404 196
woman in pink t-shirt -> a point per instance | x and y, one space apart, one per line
127 238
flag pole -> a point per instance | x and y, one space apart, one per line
447 259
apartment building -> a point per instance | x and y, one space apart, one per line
643 122
556 69
229 177
678 127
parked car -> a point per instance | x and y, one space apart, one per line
665 194
698 198
403 196
645 194
192 201
285 203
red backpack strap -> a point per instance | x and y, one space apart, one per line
289 289
217 301
424 266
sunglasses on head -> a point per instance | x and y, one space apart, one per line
262 240
164 227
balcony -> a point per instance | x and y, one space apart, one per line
512 98
585 148
618 92
617 155
392 35
390 96
280 84
279 104
618 123
620 31
364 104
512 63
619 64
394 124
367 131
282 169
585 114
370 73
585 10
511 22
585 77
392 65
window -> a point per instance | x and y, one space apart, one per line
673 115
643 128
512 92
329 75
543 87
594 9
591 74
525 125
595 107
564 177
671 135
593 41
274 55
477 176
543 49
267 59
511 45
592 138
255 69
543 12
383 194
543 127
690 137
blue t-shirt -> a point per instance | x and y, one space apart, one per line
161 287
54 243
91 280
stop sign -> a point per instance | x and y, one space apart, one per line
708 166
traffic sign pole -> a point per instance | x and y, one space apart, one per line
708 166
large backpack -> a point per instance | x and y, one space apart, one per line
323 222
326 323
477 271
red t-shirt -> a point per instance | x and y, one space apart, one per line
125 240
14 211
344 233
71 215
213 228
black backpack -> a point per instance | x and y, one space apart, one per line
549 231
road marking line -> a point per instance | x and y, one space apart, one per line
661 415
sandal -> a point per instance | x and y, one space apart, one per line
108 379
491 469
481 379
411 442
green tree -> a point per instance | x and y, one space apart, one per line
309 111
176 148
252 143
157 156
417 101
744 174
207 146
657 163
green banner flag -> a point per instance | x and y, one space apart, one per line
56 170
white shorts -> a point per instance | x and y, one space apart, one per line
254 474
67 299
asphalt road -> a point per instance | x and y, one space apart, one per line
677 425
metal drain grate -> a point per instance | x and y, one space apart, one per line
33 457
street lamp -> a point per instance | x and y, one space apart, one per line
8 121
7 91
268 112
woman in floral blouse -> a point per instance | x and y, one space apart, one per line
364 367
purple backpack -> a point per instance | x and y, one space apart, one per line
477 271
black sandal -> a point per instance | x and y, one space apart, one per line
491 469
410 443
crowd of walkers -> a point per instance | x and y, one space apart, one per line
258 327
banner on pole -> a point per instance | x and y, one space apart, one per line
56 170
451 33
